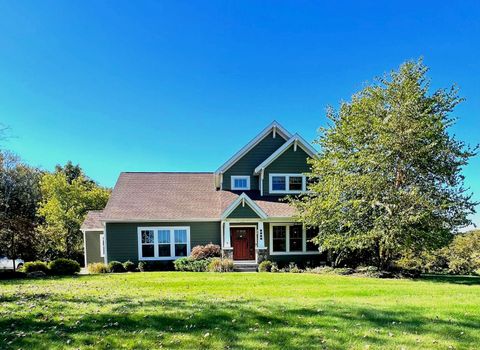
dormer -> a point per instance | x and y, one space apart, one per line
237 174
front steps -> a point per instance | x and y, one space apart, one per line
245 266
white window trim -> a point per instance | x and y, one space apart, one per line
102 245
239 177
155 242
287 183
288 252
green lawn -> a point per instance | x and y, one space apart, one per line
239 311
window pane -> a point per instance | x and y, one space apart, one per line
147 236
312 232
164 250
240 183
180 236
164 236
279 243
295 183
296 238
180 250
278 183
147 250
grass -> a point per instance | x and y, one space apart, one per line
239 311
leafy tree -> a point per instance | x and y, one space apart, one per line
388 177
67 195
19 196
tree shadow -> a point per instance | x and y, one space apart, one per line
464 280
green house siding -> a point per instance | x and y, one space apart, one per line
247 164
243 212
122 238
290 162
92 246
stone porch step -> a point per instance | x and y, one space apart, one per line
245 267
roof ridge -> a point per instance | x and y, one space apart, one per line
167 172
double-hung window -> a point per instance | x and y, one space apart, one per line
163 243
292 238
240 182
287 183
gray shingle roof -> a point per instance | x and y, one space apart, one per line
93 220
178 196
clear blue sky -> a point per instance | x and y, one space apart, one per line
181 85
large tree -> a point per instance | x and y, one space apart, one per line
19 197
388 177
67 195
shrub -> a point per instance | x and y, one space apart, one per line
33 266
189 264
115 267
293 268
129 266
274 268
155 266
265 266
64 267
463 254
141 266
210 250
220 265
97 268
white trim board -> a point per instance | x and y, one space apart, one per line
277 129
295 140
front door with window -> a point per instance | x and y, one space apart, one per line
243 241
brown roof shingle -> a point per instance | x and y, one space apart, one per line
93 220
178 196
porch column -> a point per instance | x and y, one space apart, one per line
261 236
226 237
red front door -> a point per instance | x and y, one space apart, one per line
243 239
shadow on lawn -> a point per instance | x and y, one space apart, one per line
242 324
465 280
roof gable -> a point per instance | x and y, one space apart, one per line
243 200
295 141
274 127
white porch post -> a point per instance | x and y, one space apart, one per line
226 237
261 236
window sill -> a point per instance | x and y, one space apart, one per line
165 258
295 253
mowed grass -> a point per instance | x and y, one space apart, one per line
239 311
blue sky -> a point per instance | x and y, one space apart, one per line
181 85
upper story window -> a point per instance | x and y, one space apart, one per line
287 183
240 182
163 243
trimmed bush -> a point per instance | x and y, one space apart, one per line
210 250
129 266
97 268
64 267
189 264
115 267
220 265
265 266
274 267
34 266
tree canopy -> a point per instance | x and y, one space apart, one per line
388 177
67 195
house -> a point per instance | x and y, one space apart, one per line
162 215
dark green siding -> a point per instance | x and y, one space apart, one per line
243 212
247 164
92 245
290 162
122 238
